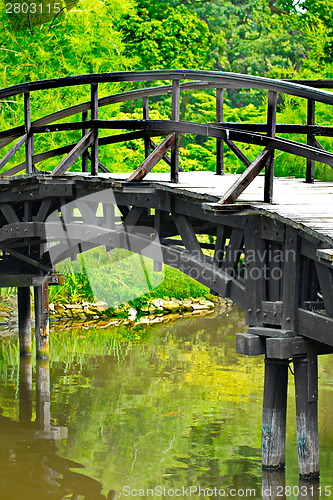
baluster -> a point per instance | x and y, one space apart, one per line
175 118
94 116
145 115
271 129
311 141
85 153
219 142
29 145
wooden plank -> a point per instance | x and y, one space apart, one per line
74 154
245 178
154 157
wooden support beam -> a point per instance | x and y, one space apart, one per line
24 320
42 320
9 213
187 235
246 178
154 157
274 414
250 345
254 283
291 279
133 216
74 154
306 389
233 251
165 157
28 260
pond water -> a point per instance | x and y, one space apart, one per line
160 411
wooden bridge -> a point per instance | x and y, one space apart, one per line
270 252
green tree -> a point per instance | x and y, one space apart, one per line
167 37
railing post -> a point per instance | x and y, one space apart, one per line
94 116
85 153
29 145
175 118
311 141
219 142
271 129
145 116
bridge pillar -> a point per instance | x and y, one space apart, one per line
42 320
274 413
306 390
24 320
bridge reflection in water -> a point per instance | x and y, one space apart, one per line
30 463
275 261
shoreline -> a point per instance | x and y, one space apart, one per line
94 315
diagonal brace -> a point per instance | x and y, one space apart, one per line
246 178
152 159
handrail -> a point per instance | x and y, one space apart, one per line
225 79
225 133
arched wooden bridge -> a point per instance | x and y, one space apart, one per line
269 251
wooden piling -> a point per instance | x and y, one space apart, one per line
42 320
306 389
274 414
24 320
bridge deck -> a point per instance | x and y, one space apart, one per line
307 206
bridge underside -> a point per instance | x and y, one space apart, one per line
280 272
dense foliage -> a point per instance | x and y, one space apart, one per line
274 38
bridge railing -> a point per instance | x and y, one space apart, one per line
225 133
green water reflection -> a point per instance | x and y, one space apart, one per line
154 408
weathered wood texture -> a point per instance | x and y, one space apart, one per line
274 414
